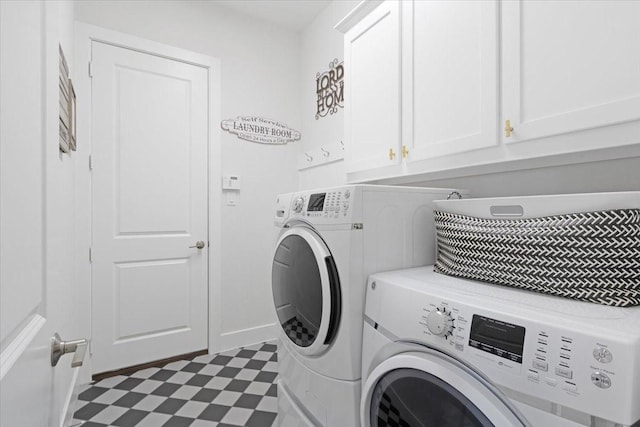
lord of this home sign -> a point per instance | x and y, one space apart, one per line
330 89
261 130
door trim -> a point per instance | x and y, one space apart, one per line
85 35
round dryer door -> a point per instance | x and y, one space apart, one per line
306 290
431 389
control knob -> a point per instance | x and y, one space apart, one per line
602 355
440 323
298 204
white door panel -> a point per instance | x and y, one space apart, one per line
149 151
451 83
569 66
372 109
34 299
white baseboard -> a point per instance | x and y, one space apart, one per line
244 337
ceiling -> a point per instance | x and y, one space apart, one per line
293 15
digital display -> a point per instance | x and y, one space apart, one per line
316 202
497 337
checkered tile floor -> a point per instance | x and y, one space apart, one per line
234 388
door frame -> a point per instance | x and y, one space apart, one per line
85 35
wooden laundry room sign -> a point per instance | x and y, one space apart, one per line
260 130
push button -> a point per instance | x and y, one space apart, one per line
542 366
561 371
570 387
601 380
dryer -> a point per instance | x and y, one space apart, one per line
443 351
330 240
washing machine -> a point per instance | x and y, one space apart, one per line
443 351
329 241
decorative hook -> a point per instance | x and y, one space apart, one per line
324 152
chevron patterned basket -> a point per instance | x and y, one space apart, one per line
593 256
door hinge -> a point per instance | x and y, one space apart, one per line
90 163
90 70
90 256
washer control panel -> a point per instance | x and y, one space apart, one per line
574 354
546 361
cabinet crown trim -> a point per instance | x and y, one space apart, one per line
357 13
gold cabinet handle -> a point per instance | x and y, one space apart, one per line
507 128
405 152
392 155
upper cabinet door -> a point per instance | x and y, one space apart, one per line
569 66
372 99
450 76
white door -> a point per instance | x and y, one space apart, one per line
372 99
149 156
569 66
450 76
35 299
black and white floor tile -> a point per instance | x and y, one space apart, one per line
234 388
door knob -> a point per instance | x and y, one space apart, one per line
199 244
60 348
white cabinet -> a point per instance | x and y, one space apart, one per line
569 66
450 76
565 74
372 67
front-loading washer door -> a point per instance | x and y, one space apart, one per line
306 290
427 389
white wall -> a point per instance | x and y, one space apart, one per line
260 69
319 45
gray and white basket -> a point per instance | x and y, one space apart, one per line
592 256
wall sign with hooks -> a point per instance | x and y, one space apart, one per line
260 130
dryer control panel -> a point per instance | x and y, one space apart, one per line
329 206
